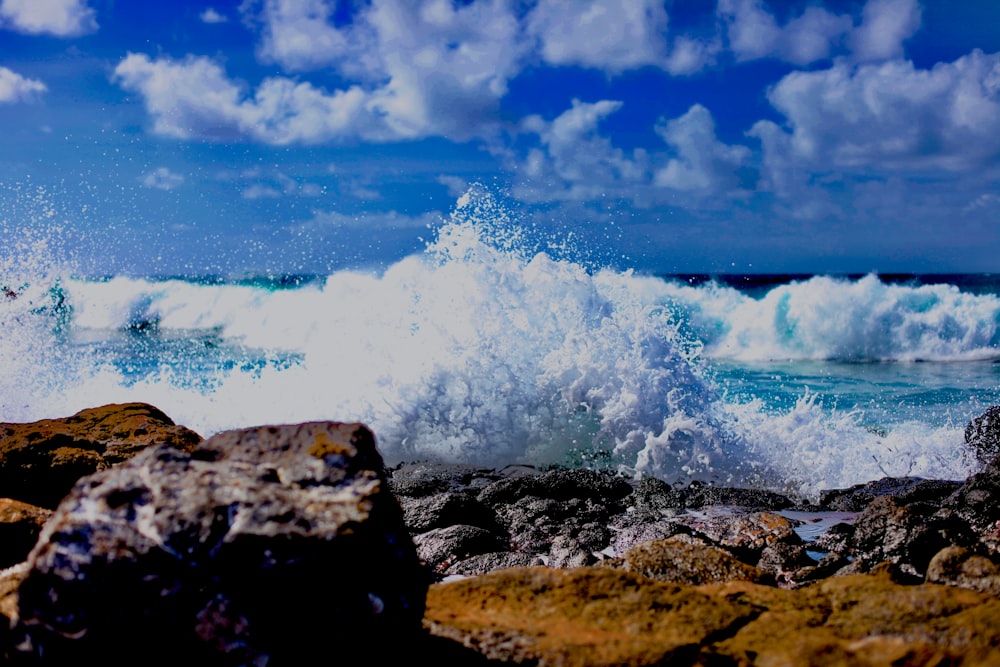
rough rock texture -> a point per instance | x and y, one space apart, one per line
983 435
267 545
40 461
958 566
580 617
677 560
20 524
598 616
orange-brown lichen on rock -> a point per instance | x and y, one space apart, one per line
860 620
40 461
582 616
684 561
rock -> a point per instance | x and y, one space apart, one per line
907 535
417 480
40 461
976 499
20 524
266 545
863 620
745 535
445 509
658 497
787 563
982 434
600 616
533 523
958 566
441 547
699 495
905 489
631 535
580 617
560 484
678 561
489 562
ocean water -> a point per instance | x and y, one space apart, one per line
493 347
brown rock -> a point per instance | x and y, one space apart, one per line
20 524
958 566
580 617
40 461
680 561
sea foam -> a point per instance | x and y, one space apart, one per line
483 349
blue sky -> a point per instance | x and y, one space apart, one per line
311 135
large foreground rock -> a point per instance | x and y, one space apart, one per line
270 545
594 616
40 461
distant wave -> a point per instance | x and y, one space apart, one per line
841 319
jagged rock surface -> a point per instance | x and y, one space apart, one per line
268 545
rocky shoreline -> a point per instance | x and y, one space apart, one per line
127 538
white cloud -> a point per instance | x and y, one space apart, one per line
887 116
210 15
299 35
576 162
62 18
754 33
193 98
689 56
703 163
370 220
162 178
613 35
885 25
16 88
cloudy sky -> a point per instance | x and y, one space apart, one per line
687 136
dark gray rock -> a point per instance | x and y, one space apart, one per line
496 560
266 545
982 434
905 489
418 480
561 484
20 525
905 535
442 547
657 497
448 508
978 499
698 495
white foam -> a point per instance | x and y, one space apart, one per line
482 350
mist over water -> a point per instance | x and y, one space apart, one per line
485 349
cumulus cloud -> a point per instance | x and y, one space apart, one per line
61 18
613 35
753 32
300 35
574 161
17 88
162 178
885 25
817 34
889 115
210 15
702 163
193 98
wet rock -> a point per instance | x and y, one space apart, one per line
905 489
679 561
982 435
976 499
533 523
837 538
745 535
444 509
441 547
560 484
786 562
266 545
40 461
699 495
657 497
958 566
417 480
907 535
20 525
489 562
631 535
